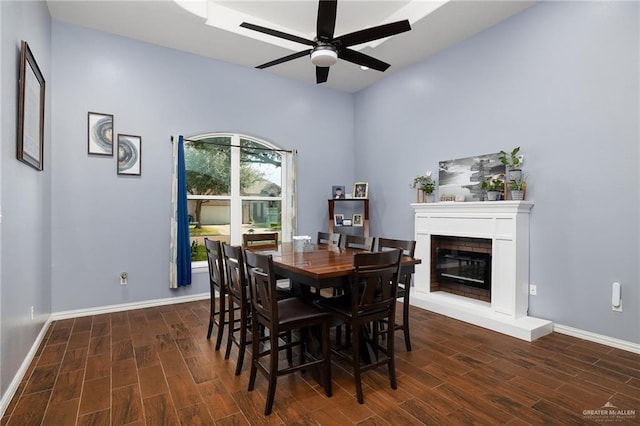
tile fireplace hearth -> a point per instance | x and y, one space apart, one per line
506 225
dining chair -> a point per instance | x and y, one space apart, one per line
408 248
372 298
217 284
238 297
264 240
280 316
332 239
359 242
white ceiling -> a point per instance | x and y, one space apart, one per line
165 23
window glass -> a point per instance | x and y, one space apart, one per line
214 222
208 164
260 216
260 170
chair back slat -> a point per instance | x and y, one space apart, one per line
262 285
375 283
236 279
358 242
216 266
266 240
332 239
408 248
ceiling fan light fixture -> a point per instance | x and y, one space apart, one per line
324 56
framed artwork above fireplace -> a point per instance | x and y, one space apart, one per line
463 177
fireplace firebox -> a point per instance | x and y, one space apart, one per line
463 267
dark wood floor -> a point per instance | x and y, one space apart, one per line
154 366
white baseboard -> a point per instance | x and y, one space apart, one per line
17 378
13 386
126 306
597 338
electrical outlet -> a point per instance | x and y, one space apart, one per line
32 313
124 278
533 289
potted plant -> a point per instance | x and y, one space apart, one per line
513 161
425 184
493 186
517 188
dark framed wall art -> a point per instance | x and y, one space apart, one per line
100 134
30 110
129 155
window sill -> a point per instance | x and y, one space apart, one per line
199 267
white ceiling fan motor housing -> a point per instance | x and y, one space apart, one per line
324 56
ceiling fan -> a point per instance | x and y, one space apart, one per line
326 49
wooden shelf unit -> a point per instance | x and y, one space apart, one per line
358 206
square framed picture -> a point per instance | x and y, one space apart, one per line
361 190
338 219
100 134
357 220
129 155
337 192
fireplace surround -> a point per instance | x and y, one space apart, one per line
506 225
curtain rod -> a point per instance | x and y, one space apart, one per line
238 146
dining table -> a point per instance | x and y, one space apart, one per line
318 267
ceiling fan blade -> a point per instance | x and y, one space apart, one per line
277 33
362 59
374 33
322 74
326 19
285 59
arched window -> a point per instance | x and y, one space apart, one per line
237 184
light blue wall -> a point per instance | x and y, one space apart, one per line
560 80
103 223
25 195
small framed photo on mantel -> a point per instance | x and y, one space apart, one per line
338 219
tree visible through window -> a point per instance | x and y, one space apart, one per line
234 186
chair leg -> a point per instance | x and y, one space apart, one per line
356 363
222 319
405 321
289 348
212 313
210 327
391 362
243 342
231 332
273 374
326 354
254 354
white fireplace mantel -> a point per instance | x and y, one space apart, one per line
506 224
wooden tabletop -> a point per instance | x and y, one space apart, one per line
321 267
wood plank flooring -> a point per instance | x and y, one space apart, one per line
154 366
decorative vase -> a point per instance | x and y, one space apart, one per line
424 197
515 174
517 195
492 195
